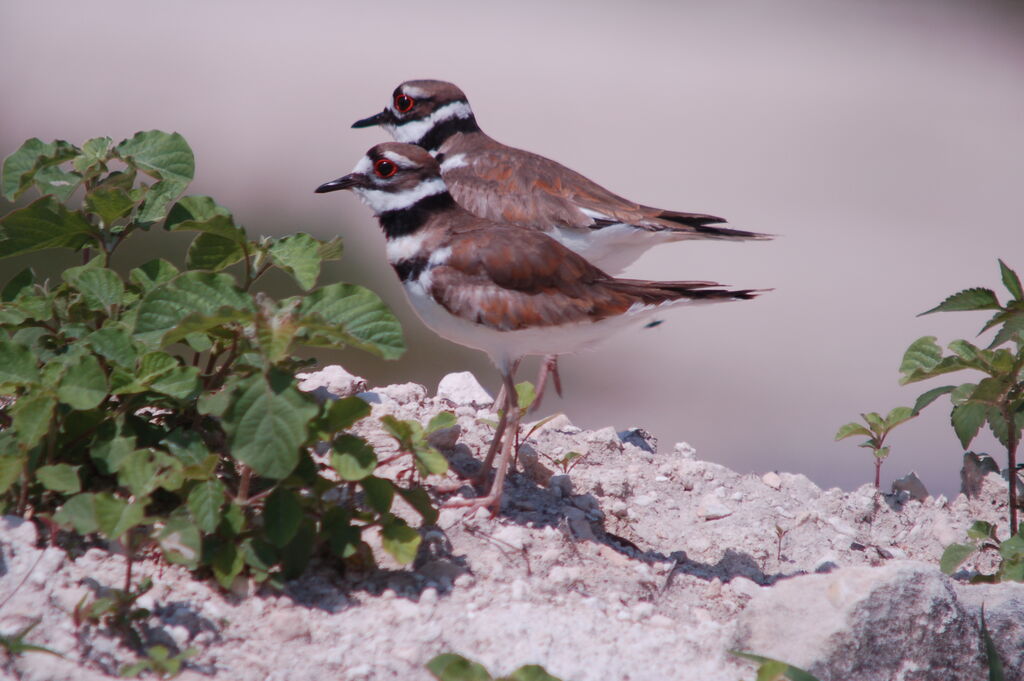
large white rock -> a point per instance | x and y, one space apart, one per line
462 388
899 622
331 382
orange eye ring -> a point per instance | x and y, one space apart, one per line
384 168
404 103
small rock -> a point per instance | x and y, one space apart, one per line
661 621
744 586
403 393
578 523
976 467
563 575
642 611
711 508
462 388
912 485
685 450
842 527
560 485
445 438
429 596
331 383
15 529
561 424
465 580
605 439
772 479
645 499
532 466
513 536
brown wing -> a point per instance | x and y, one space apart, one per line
512 185
510 279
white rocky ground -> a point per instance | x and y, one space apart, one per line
643 563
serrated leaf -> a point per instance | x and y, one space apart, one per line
153 365
897 416
965 351
379 493
137 473
201 293
444 419
109 203
997 424
343 413
967 420
18 366
195 208
100 287
400 540
259 555
84 385
1011 281
181 382
187 446
275 330
109 454
282 516
452 667
930 396
923 354
345 314
33 155
266 423
79 512
299 255
212 252
114 343
31 417
45 223
60 477
55 180
968 299
180 542
116 516
954 556
851 429
166 156
331 250
353 458
152 274
227 563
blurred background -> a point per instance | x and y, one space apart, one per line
883 141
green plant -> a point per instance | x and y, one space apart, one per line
452 667
982 537
876 428
998 398
159 661
158 407
995 664
774 670
116 610
15 644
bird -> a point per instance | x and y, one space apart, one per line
496 287
499 182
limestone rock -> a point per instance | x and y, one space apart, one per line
462 388
331 383
912 485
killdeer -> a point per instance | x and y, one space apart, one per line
499 182
498 287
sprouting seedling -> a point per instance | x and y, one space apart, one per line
780 534
770 669
15 644
998 398
876 428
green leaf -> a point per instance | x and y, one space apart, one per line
954 556
295 557
526 395
444 419
981 530
45 223
353 458
260 556
115 516
875 421
11 465
55 180
33 155
452 667
1013 548
203 293
930 396
531 672
266 423
18 366
60 477
181 383
31 416
100 287
967 420
923 355
851 429
299 255
282 516
897 416
787 670
968 299
343 413
22 281
400 540
166 157
79 512
995 664
343 537
275 330
204 503
965 351
152 274
110 454
212 252
429 461
1011 281
418 498
195 208
137 473
94 153
379 493
351 315
180 542
187 446
330 250
114 343
109 203
227 563
84 385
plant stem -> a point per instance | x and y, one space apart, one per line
23 493
1012 438
878 472
128 570
243 485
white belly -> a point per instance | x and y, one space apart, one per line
612 248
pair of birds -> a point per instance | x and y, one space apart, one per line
498 249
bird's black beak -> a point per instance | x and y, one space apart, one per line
347 182
385 117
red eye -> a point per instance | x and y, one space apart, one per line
384 168
404 103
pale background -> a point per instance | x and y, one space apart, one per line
883 141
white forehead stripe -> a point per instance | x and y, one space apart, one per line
381 201
414 91
414 131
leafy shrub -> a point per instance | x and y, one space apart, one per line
998 398
876 428
452 667
981 536
159 408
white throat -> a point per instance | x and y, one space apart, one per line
382 201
